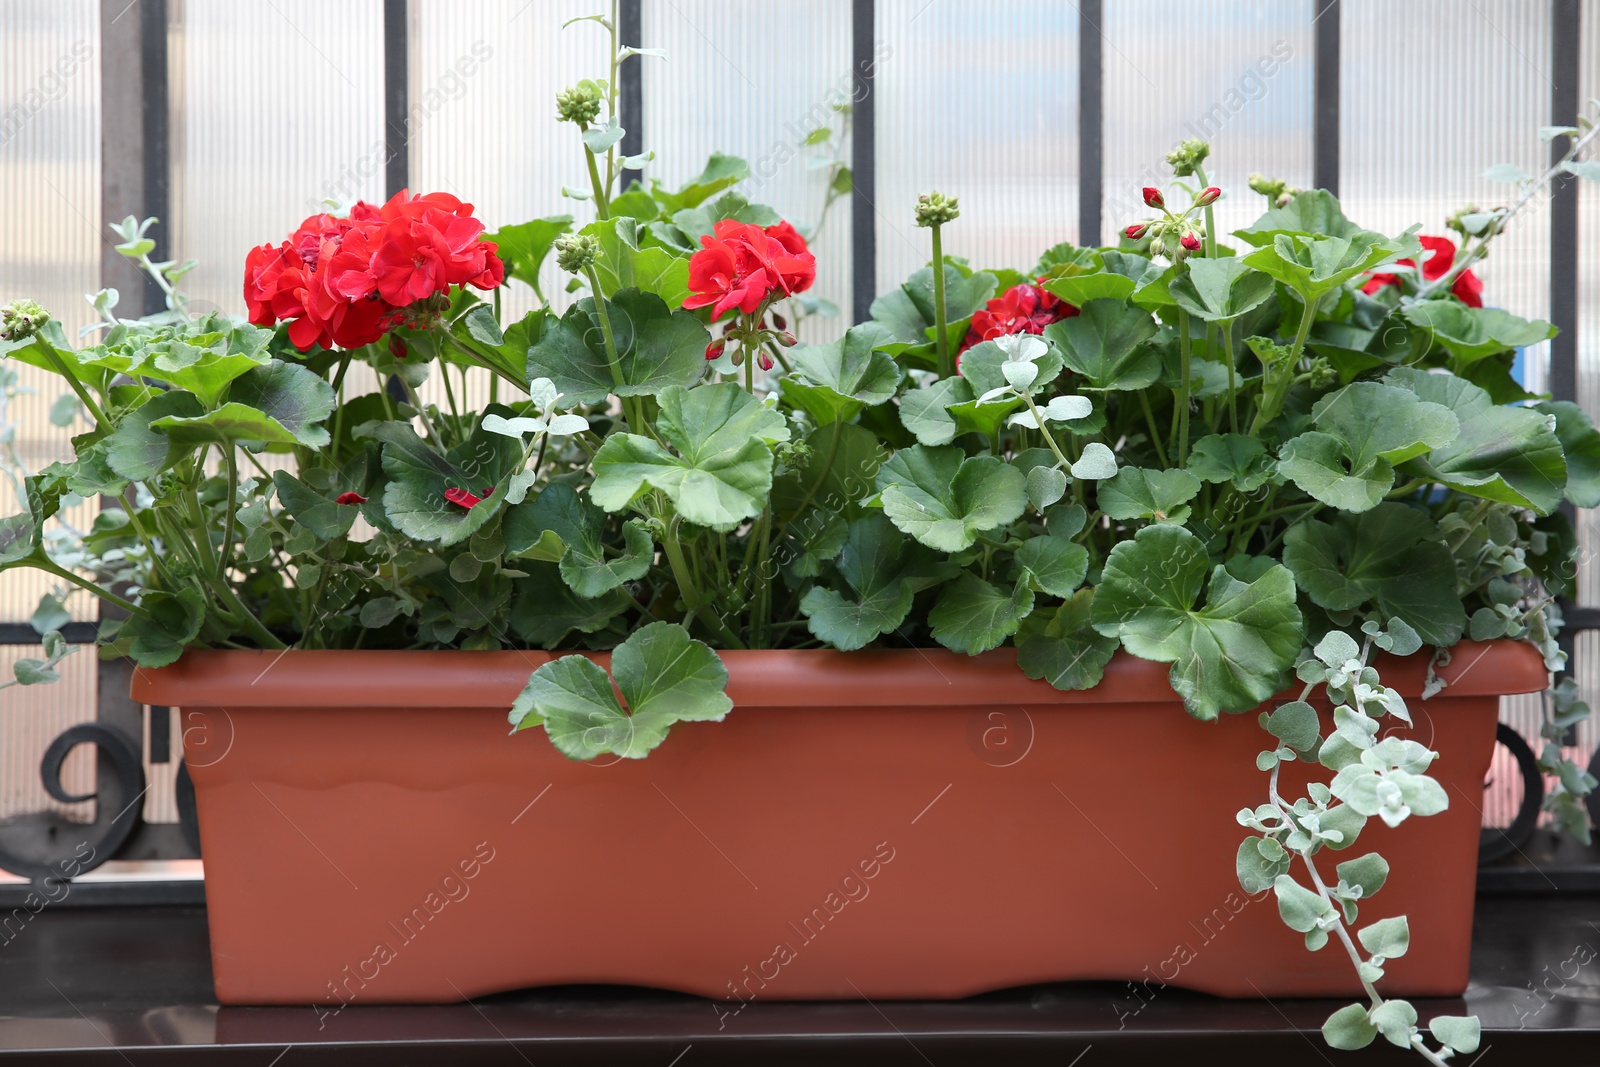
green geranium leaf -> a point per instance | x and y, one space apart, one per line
665 677
18 538
885 570
1231 457
558 511
545 609
925 412
1120 275
291 396
524 246
973 616
1470 334
1220 290
722 471
1229 655
311 509
945 500
203 359
169 622
1314 211
1137 493
414 501
720 172
1580 444
831 479
1313 264
908 311
227 425
1391 558
1363 431
1053 565
1507 454
1060 646
1104 342
623 265
656 348
139 453
835 382
1349 1028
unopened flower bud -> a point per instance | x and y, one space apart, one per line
1191 241
1207 196
779 321
21 319
397 347
764 360
936 209
1271 188
788 340
1158 247
1136 231
714 349
1187 156
576 252
729 326
738 357
579 103
1153 197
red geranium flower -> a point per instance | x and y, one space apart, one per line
344 282
741 265
465 497
1467 287
351 497
1025 308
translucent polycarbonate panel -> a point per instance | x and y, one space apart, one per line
1433 93
1237 74
978 101
49 246
755 81
33 717
483 84
276 106
1589 310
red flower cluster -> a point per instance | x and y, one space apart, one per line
1025 308
741 265
343 282
1467 287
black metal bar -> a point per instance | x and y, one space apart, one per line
155 122
1565 25
1325 97
863 163
630 79
1091 121
21 633
1575 619
396 97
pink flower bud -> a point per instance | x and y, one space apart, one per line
738 357
1191 241
1153 197
779 321
1136 231
1207 196
714 349
764 360
788 340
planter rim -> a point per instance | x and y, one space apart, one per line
779 678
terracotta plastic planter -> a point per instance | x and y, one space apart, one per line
899 824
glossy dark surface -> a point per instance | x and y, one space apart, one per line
132 986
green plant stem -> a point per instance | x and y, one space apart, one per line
941 342
630 413
50 566
690 589
1272 403
822 475
601 207
1233 385
1038 416
1155 434
1183 406
1315 507
232 464
450 394
55 360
